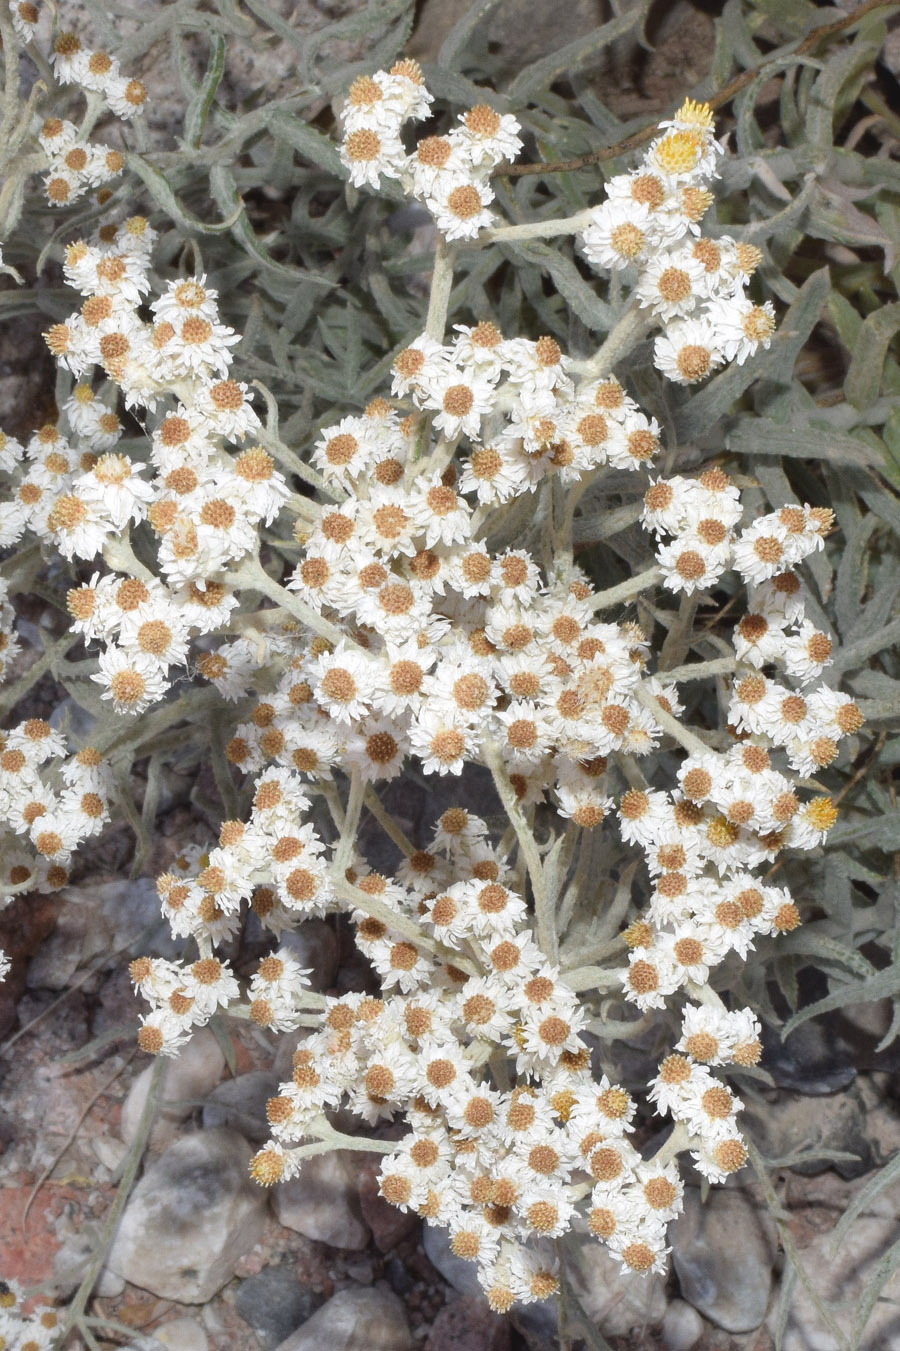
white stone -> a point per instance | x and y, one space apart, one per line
682 1327
360 1318
192 1215
186 1079
182 1334
723 1258
322 1202
616 1300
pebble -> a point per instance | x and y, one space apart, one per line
360 1318
723 1258
190 1076
192 1215
240 1104
182 1334
467 1324
322 1202
274 1303
682 1327
617 1301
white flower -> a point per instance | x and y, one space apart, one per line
740 326
370 151
688 350
459 207
618 235
131 680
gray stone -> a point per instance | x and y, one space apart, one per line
682 1326
314 943
240 1104
791 1125
456 1271
617 1301
186 1079
811 1060
192 1215
274 1304
723 1257
322 1202
361 1318
839 1274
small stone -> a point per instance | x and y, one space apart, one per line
456 1271
616 1300
109 1151
399 1276
240 1104
192 1215
467 1324
388 1224
361 1318
187 1078
182 1334
682 1327
274 1304
322 1202
723 1258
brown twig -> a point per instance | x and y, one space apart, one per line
724 95
71 1137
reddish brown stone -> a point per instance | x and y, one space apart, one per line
388 1224
467 1324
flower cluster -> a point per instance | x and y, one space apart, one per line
694 285
449 174
203 504
77 166
502 1158
21 1331
409 628
48 805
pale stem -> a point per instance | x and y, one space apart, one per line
677 1142
700 670
591 978
344 851
45 662
705 994
537 229
441 286
668 723
119 555
626 332
401 924
626 590
252 575
546 931
388 824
